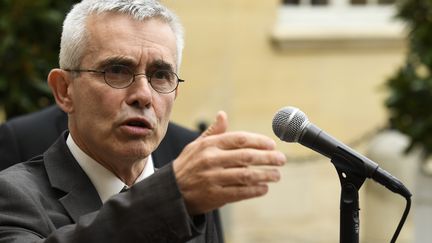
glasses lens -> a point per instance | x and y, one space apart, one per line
118 76
164 81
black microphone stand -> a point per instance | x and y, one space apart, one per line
351 181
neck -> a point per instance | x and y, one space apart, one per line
128 174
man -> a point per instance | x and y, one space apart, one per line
117 82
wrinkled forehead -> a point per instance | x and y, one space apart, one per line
112 35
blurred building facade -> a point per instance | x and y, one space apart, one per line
329 58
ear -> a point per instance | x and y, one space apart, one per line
60 84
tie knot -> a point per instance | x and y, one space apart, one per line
125 188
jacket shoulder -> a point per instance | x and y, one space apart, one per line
180 133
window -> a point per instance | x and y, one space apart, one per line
312 23
326 2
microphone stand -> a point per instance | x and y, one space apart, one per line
351 182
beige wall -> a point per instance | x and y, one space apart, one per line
230 64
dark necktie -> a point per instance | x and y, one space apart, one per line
124 189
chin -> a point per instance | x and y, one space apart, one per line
138 151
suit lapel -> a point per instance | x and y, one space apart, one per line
172 144
65 174
162 155
165 152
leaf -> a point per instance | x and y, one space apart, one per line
29 45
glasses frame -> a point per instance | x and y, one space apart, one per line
149 77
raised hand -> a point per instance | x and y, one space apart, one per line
220 167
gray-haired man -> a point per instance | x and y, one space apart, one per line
117 82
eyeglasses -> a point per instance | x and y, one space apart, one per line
120 77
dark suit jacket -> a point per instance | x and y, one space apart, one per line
51 199
38 197
26 136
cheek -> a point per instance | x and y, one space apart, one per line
94 102
168 105
163 107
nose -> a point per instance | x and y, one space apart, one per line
140 93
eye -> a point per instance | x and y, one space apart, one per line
118 76
163 75
117 70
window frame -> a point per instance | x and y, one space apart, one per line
337 24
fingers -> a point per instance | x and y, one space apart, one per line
222 167
236 140
235 194
218 127
233 140
241 177
244 158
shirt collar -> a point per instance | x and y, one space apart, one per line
105 182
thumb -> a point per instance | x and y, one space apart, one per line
217 127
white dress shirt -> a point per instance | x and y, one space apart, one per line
106 183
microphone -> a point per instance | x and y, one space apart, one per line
292 125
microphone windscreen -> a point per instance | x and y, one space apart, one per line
288 123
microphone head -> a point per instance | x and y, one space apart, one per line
289 123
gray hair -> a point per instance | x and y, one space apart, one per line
74 35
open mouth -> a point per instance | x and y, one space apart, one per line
138 123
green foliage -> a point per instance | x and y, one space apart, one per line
29 45
410 97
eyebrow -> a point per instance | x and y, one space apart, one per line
117 60
161 65
129 62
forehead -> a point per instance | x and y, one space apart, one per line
113 35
